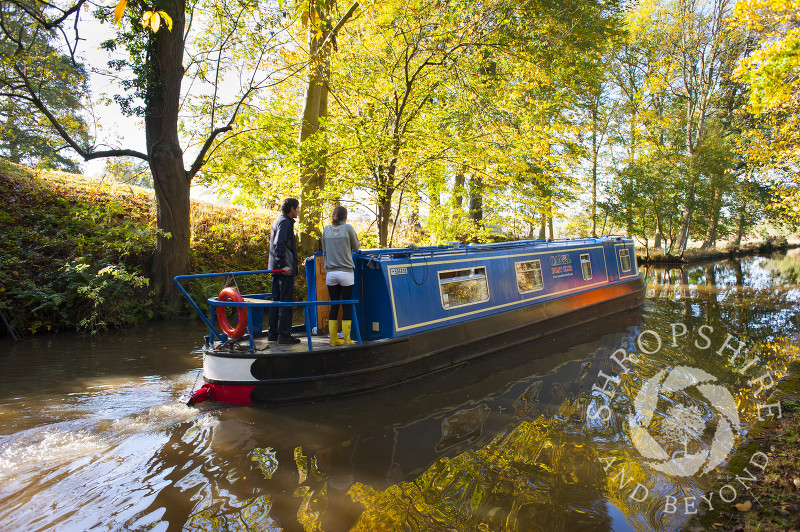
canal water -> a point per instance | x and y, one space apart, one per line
620 425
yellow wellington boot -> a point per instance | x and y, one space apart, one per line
333 326
346 332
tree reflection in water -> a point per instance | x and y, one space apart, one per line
546 474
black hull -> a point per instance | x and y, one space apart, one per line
302 376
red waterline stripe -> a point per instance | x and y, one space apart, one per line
233 394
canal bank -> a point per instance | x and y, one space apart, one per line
772 502
731 251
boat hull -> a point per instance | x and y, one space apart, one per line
290 376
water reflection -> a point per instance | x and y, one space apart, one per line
91 436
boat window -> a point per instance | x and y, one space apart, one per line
625 259
463 287
529 276
586 266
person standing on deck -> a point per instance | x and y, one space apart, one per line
339 241
283 256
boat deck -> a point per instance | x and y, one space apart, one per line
263 345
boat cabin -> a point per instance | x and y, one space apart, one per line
407 291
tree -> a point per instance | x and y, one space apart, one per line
706 51
770 72
313 165
158 40
27 56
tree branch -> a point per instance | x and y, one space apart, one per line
199 162
86 154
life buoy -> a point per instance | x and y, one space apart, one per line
231 294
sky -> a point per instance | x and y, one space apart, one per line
112 128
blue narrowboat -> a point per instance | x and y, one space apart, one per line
415 311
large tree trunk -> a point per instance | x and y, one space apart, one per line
170 179
313 164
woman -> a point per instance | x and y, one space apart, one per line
339 241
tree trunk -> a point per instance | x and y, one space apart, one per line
740 229
595 155
170 180
659 232
550 227
476 201
458 190
384 217
711 234
594 193
686 219
313 164
543 226
385 202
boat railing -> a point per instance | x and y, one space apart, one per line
377 254
255 305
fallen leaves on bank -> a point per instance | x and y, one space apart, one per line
772 504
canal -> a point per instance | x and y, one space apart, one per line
621 425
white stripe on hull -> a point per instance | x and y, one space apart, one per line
227 369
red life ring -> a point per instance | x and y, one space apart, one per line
231 294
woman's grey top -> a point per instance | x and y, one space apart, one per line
338 244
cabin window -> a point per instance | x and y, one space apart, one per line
586 266
625 259
463 287
529 276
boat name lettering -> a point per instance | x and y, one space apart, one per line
398 271
555 260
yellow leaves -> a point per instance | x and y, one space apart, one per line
119 10
770 69
150 19
153 20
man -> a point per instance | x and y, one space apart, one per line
283 256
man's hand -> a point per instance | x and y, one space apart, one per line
286 269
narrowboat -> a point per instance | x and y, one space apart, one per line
415 311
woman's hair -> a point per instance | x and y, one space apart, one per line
339 215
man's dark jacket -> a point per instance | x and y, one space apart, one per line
282 244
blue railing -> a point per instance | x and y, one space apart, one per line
257 307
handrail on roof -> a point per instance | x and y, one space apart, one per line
466 248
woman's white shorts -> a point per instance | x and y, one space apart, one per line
339 277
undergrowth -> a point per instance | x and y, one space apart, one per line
74 251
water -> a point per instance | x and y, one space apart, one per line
92 435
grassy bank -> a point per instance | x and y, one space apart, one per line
695 255
74 251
